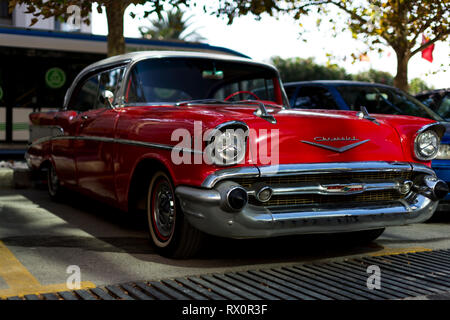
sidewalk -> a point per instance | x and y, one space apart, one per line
14 174
411 276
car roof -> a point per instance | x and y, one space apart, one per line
427 92
142 55
131 57
337 82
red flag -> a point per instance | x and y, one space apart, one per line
427 53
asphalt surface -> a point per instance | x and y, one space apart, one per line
39 239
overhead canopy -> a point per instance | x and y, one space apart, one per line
89 43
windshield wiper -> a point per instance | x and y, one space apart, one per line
202 101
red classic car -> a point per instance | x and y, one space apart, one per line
207 144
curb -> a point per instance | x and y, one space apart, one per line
6 178
18 178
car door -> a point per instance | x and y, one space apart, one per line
62 153
94 143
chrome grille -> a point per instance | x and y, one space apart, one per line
294 200
327 178
324 178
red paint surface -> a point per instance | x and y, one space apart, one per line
104 169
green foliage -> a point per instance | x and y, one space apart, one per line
171 26
379 23
114 12
297 69
417 85
375 76
59 8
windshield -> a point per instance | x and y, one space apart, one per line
172 80
385 100
437 102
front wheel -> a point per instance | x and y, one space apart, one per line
53 184
170 232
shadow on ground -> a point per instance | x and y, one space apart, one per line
116 231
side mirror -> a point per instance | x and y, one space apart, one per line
107 97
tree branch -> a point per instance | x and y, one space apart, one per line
422 29
429 43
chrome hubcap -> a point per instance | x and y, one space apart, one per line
53 180
164 209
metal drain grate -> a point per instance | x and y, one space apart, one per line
402 276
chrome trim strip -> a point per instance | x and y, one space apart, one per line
194 194
240 172
323 189
340 150
310 168
114 140
104 65
417 167
438 127
333 167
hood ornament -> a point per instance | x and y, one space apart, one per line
336 149
364 114
263 113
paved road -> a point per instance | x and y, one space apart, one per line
39 239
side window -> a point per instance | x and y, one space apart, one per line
133 89
427 101
431 101
86 97
290 91
444 108
314 98
146 84
109 80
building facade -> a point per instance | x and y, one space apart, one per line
38 64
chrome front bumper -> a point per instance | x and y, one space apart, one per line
205 211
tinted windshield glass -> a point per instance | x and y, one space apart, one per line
385 101
182 79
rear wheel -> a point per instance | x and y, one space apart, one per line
170 232
53 184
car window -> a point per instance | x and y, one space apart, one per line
85 98
109 80
181 79
310 97
444 108
384 100
430 100
290 91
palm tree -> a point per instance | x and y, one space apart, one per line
171 26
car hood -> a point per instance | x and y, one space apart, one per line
297 136
312 136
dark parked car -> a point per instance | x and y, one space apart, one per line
378 99
437 100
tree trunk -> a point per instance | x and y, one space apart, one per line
115 10
401 78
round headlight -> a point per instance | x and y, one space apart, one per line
426 145
444 152
228 147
